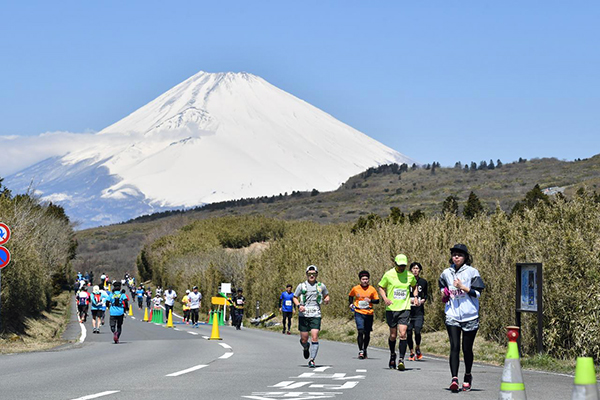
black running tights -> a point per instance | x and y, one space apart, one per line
364 337
468 338
409 337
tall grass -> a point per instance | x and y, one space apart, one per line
41 247
564 236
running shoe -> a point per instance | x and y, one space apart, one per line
305 350
401 366
283 332
116 337
361 355
419 355
311 364
411 357
454 385
468 380
289 333
392 361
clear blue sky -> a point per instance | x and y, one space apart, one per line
436 80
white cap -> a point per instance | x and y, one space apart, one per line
312 268
187 291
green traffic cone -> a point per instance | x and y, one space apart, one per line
512 386
584 384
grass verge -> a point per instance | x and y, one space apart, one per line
41 333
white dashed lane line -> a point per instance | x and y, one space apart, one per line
83 333
95 396
226 355
185 371
193 333
361 370
225 345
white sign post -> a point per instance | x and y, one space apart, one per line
225 289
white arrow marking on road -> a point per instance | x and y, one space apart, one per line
227 355
185 371
290 385
94 396
225 345
346 385
292 395
83 333
322 376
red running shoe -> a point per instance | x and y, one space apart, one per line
454 385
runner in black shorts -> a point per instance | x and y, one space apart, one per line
417 312
394 289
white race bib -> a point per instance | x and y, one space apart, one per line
400 294
288 302
363 304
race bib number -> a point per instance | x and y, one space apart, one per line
400 294
288 303
363 304
240 302
311 310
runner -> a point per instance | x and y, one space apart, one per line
118 303
97 309
82 299
156 302
185 305
140 297
195 302
148 295
394 289
170 296
286 306
361 298
417 312
308 297
238 303
461 287
159 291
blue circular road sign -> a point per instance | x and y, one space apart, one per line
4 257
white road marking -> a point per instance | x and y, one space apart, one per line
176 329
185 371
225 345
94 396
361 370
83 333
292 395
206 337
132 317
226 355
321 369
193 333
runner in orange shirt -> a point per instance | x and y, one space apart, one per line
360 299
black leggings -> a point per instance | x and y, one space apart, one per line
116 324
409 337
467 347
287 315
363 339
194 315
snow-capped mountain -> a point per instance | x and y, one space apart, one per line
213 137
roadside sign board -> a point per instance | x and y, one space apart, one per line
5 257
220 301
4 233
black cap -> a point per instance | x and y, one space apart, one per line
461 248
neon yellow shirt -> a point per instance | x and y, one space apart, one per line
397 288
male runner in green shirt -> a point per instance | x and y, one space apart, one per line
394 289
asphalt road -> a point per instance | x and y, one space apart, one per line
154 362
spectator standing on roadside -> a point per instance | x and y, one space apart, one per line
286 306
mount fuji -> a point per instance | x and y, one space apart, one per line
213 137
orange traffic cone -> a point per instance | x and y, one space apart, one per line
150 317
146 314
170 320
214 335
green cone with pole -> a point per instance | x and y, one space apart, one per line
512 386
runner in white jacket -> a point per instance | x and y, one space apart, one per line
461 287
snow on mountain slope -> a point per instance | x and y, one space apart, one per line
213 137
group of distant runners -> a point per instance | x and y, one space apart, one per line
402 290
404 293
